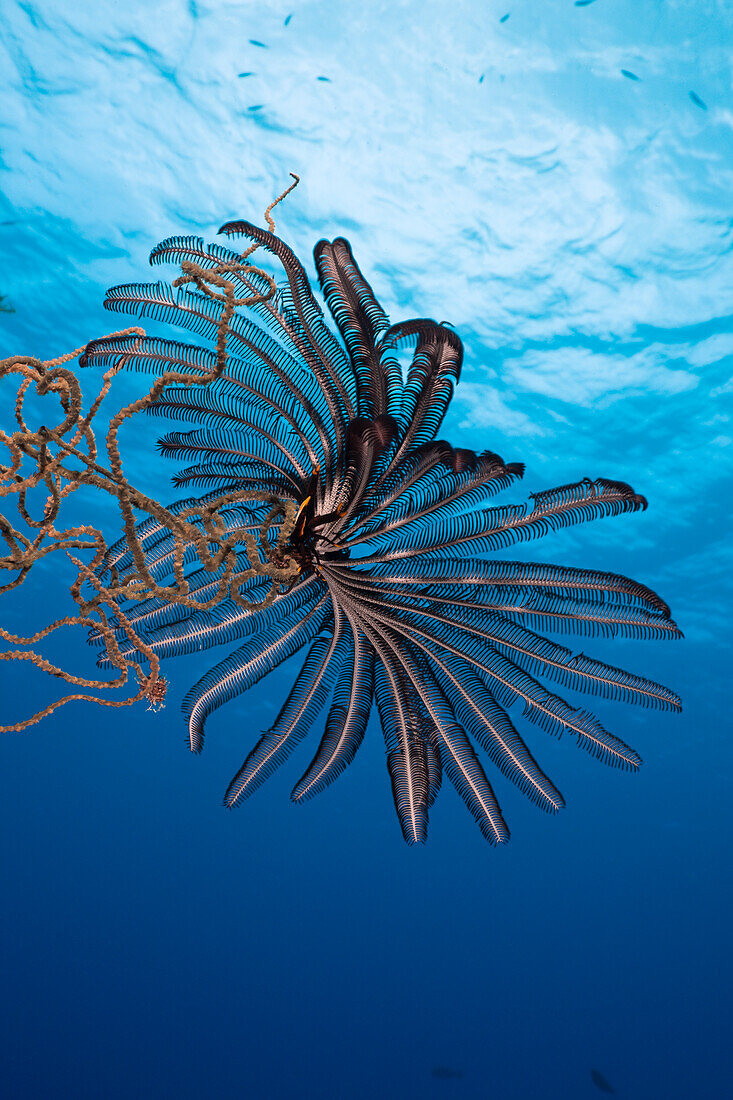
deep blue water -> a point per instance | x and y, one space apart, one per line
574 224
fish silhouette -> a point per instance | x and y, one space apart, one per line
583 3
505 17
254 42
697 101
245 74
629 75
287 19
600 1081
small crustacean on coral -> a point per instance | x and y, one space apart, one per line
366 539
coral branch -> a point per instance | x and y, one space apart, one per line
49 450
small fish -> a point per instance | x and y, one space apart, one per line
256 107
600 1081
697 101
629 75
5 306
287 19
583 3
445 1073
245 74
505 17
481 79
326 78
254 42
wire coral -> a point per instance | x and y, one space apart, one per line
199 527
366 538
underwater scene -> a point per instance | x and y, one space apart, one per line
365 552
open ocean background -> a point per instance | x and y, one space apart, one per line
556 184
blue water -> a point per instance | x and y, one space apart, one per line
574 224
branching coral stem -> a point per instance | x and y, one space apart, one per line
49 450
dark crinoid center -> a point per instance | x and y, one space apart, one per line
308 543
398 594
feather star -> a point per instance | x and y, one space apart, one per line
398 598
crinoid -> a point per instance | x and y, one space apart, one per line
384 538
